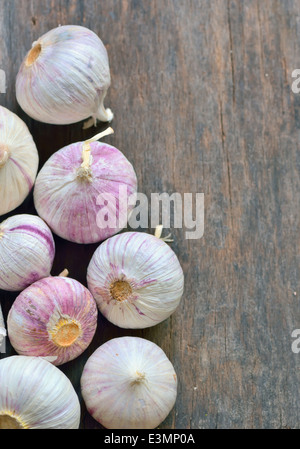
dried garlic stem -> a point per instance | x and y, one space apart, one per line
107 132
86 156
138 378
158 233
84 172
104 115
64 273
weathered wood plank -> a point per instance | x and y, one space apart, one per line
201 92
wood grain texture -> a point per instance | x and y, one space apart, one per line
201 92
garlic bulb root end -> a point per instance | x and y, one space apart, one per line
10 421
65 332
120 290
33 54
4 154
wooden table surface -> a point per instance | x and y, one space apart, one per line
203 102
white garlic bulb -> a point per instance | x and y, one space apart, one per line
65 77
34 394
129 383
136 280
18 161
27 251
71 187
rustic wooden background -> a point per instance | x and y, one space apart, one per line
201 91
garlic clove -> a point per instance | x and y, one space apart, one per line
34 394
129 383
56 318
136 280
65 76
18 161
27 251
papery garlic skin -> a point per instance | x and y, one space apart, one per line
136 280
34 394
67 196
129 383
18 161
65 77
54 317
3 332
27 251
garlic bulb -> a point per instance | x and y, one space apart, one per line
18 161
55 317
65 76
34 394
73 185
27 251
136 280
129 383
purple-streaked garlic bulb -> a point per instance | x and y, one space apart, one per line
55 317
83 190
65 76
136 280
18 161
129 383
27 251
34 394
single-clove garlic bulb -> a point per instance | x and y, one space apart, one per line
64 78
27 251
18 161
74 185
136 280
129 383
34 394
55 317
